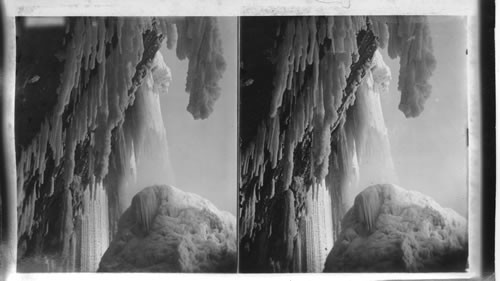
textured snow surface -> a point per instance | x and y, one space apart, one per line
168 230
392 229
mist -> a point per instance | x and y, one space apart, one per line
202 153
430 152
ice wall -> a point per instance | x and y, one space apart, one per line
95 228
105 120
317 230
325 123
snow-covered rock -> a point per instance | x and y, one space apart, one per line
168 230
390 229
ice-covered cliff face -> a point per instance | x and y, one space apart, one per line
99 116
318 117
144 138
167 230
372 159
390 229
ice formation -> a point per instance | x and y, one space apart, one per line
390 229
94 228
367 136
145 206
316 230
325 122
410 40
106 117
144 138
200 42
185 233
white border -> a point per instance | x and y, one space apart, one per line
265 7
474 152
7 103
239 7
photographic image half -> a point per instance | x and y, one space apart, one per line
126 144
353 144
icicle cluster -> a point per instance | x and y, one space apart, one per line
200 42
315 99
314 59
290 226
410 39
326 121
367 206
97 102
300 47
343 175
105 62
107 115
312 86
145 206
316 232
26 221
95 87
94 227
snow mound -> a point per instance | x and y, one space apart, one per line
390 229
168 230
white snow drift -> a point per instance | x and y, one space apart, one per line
168 230
392 229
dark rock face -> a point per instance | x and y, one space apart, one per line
167 230
390 229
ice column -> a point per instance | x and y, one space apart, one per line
95 232
318 228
